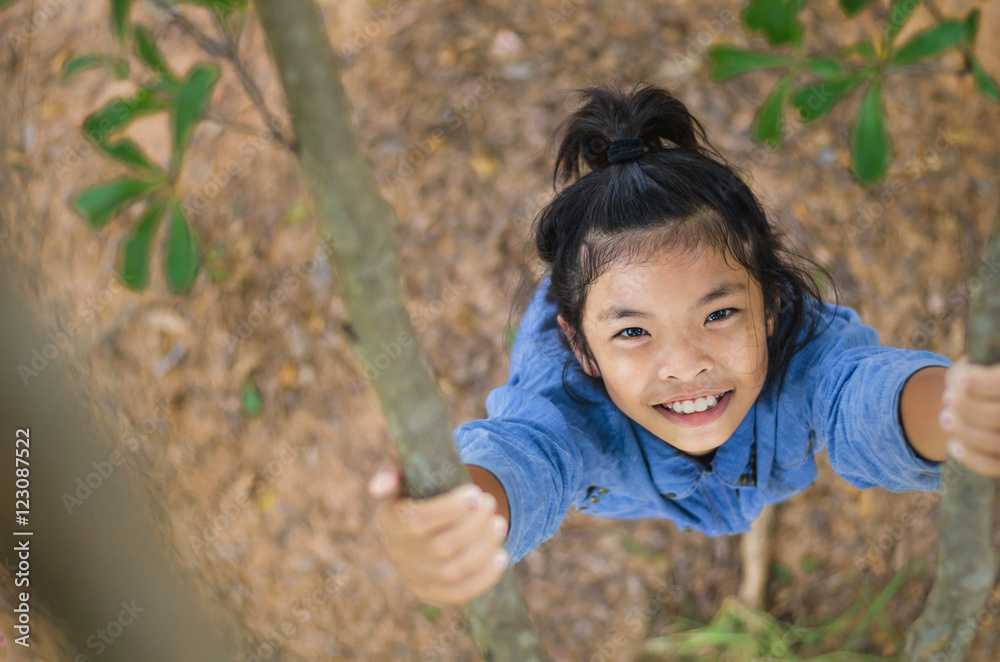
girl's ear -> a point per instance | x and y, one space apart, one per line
576 349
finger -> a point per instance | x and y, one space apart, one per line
479 582
469 534
421 517
454 583
975 438
983 381
385 483
978 462
971 414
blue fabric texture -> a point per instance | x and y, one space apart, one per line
551 453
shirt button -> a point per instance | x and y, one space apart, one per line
582 508
594 499
687 529
670 495
603 490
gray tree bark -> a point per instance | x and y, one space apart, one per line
966 564
359 225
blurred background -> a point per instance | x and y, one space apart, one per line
239 410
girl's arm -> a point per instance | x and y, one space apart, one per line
919 407
488 483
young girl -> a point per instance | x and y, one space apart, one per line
674 363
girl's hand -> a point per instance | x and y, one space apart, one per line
971 415
449 547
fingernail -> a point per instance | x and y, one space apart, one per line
501 559
470 496
947 419
955 449
382 482
486 501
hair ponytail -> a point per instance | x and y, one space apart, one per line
649 113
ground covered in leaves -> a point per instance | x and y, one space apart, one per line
455 103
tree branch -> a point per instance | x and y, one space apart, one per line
228 49
358 224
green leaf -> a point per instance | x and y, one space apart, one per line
121 68
192 102
128 152
971 26
781 572
99 204
729 61
119 18
899 12
823 66
810 562
75 65
816 100
776 19
863 48
220 6
181 261
767 126
871 139
6 3
984 83
250 399
149 52
929 42
133 250
430 612
119 113
852 7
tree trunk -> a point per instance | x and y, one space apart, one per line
360 228
966 564
95 558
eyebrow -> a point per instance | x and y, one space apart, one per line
721 290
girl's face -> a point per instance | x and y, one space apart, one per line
679 327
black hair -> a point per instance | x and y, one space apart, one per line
680 193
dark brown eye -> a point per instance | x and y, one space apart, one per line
724 316
630 332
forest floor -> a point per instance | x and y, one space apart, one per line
496 77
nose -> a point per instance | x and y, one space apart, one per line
681 359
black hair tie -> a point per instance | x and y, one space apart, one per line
625 149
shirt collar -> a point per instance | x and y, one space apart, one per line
675 473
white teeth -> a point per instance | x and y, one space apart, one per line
689 406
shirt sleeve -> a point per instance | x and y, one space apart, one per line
855 407
531 441
526 443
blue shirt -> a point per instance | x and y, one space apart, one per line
550 453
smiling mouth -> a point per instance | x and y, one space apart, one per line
695 406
